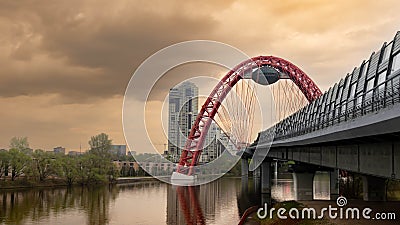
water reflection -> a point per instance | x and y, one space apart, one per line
189 205
138 203
202 204
283 188
220 202
248 196
321 185
36 205
213 203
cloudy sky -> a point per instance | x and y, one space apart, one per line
65 64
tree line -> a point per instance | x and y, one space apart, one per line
95 166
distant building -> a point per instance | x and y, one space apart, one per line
182 112
158 168
127 168
119 150
131 153
212 146
59 150
74 153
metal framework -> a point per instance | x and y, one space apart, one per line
369 88
194 144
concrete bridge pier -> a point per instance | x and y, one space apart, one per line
266 182
266 175
245 168
257 173
334 184
303 185
374 188
245 174
245 185
257 180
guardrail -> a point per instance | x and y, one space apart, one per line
382 96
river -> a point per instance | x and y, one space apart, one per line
150 202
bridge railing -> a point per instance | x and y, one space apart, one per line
375 99
371 87
379 97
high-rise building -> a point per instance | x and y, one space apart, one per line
183 109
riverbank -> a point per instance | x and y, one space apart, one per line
26 184
127 180
23 184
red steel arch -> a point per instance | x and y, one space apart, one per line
194 144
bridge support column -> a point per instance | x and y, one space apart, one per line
266 177
374 188
245 175
334 184
245 167
257 180
266 182
303 185
257 173
245 185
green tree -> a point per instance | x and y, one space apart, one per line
19 161
4 162
19 143
69 167
99 165
100 145
94 168
44 164
83 168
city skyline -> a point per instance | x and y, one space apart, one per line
117 149
64 70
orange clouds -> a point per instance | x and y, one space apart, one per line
65 65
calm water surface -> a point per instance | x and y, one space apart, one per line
220 202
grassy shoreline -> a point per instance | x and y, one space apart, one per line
27 184
24 184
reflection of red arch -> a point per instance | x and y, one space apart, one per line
194 144
188 195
